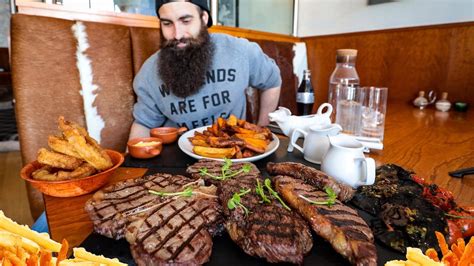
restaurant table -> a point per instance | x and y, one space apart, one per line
428 142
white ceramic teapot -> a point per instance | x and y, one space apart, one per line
288 123
345 161
316 141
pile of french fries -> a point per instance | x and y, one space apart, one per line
459 254
231 138
19 245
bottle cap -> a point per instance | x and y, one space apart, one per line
346 56
346 52
444 96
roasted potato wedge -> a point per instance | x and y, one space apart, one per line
214 152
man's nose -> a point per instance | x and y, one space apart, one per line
178 32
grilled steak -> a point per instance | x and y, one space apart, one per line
175 232
215 168
111 208
161 230
339 224
268 230
311 176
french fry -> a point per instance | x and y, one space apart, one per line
199 142
23 242
442 243
221 123
242 130
214 152
450 259
432 254
468 254
24 231
232 121
416 255
81 253
253 136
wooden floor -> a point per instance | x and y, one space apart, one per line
13 197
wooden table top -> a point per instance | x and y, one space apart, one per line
428 142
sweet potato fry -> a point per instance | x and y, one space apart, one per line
214 152
221 123
232 121
442 243
253 136
468 254
431 253
199 142
242 130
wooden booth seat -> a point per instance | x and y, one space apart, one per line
46 80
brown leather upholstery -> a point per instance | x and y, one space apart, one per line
145 42
46 79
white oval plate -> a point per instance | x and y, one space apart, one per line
186 146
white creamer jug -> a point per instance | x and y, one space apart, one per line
345 161
316 141
288 123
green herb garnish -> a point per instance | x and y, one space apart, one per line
188 192
226 172
234 202
331 198
459 216
274 194
259 190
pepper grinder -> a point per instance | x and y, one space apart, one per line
443 104
421 102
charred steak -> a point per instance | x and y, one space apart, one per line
311 176
268 231
161 230
111 208
339 224
176 231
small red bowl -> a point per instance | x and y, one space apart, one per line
72 187
167 134
144 152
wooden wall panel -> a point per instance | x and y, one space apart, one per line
407 60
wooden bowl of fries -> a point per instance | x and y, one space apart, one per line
71 187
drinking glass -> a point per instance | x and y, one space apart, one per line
374 109
349 109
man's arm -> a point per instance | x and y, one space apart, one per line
138 131
268 103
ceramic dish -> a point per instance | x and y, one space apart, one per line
186 146
72 187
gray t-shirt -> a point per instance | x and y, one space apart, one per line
237 64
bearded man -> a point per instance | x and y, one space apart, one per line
197 77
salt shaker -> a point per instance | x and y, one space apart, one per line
421 102
443 104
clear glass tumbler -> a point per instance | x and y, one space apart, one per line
349 109
374 110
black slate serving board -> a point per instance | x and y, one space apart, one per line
225 252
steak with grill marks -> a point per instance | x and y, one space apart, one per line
161 230
215 168
176 232
268 231
312 176
339 224
111 208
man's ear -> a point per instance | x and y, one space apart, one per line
205 17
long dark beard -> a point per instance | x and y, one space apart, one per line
183 70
